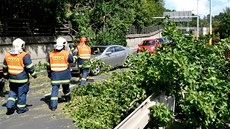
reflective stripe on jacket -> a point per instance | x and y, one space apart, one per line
59 60
84 51
15 63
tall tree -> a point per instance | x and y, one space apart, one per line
224 26
103 21
106 21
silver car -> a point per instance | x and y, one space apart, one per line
113 55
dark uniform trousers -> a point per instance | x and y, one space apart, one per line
18 90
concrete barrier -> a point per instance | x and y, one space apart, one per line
140 117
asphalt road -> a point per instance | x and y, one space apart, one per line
39 115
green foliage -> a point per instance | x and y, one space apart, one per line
106 22
146 10
127 62
194 72
160 115
94 63
204 77
224 23
106 38
105 104
40 66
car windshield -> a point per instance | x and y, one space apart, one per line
146 43
97 50
161 40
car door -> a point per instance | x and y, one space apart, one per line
110 56
120 55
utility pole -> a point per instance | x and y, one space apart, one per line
197 30
210 23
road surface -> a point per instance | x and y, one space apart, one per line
39 115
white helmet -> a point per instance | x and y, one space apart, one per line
18 44
60 43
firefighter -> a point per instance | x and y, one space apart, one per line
59 72
17 66
84 55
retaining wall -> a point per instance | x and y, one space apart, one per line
37 46
40 46
134 39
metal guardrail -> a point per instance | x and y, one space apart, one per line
139 118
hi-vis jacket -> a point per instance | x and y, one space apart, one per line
17 67
58 66
84 51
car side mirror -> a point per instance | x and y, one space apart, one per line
108 53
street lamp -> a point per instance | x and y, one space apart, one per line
197 29
210 23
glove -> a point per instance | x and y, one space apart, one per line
3 80
71 47
35 76
75 53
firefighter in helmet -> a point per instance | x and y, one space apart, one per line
59 72
17 66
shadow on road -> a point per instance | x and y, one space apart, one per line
46 99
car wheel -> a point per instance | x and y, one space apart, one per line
96 71
126 62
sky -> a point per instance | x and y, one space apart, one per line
203 6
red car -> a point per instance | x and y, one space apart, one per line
149 44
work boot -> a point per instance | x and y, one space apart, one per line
67 98
19 111
10 111
53 108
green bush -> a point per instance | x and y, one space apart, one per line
40 67
160 115
105 104
194 72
